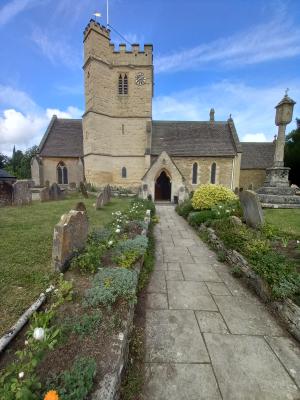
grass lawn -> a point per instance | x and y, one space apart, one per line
25 250
287 220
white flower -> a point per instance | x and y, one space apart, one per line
298 241
118 230
148 212
49 289
227 211
110 242
21 374
220 207
121 336
26 342
39 333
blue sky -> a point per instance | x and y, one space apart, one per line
237 56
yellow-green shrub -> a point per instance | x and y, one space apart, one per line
206 196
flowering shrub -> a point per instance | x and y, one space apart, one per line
138 245
206 196
184 208
109 285
223 210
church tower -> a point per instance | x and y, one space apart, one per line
118 109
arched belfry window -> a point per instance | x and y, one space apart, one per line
195 174
120 84
62 173
123 84
124 172
213 172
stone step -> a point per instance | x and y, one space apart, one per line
284 191
269 205
278 199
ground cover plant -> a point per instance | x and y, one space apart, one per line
70 342
26 236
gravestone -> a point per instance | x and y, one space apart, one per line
106 198
21 192
80 206
83 190
70 235
99 201
55 192
44 194
251 207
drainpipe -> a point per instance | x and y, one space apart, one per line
232 173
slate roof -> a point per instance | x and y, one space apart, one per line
257 155
63 138
194 138
5 175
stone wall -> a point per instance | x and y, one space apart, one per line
254 177
223 171
6 194
74 166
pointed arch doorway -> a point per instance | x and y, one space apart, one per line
163 187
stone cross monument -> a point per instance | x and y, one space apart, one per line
276 190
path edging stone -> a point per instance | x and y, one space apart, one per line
287 310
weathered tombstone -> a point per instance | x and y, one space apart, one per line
108 192
82 188
44 194
80 206
70 234
105 196
21 192
99 201
72 185
55 192
251 207
47 184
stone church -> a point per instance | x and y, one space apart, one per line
117 142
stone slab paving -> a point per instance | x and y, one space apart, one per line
207 336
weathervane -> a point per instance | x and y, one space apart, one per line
286 91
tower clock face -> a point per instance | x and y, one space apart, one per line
140 79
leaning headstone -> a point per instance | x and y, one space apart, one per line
21 192
251 207
83 190
80 206
99 201
70 235
55 192
109 192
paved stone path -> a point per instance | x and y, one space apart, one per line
207 336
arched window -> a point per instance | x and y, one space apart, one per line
62 173
124 172
195 174
120 84
123 84
213 173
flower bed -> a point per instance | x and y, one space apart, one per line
77 344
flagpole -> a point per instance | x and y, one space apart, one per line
107 19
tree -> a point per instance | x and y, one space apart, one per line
19 164
4 160
292 154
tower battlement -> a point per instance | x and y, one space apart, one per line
95 26
97 44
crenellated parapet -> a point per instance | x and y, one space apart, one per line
96 27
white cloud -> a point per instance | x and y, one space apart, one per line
24 122
252 108
279 38
56 49
255 137
13 8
